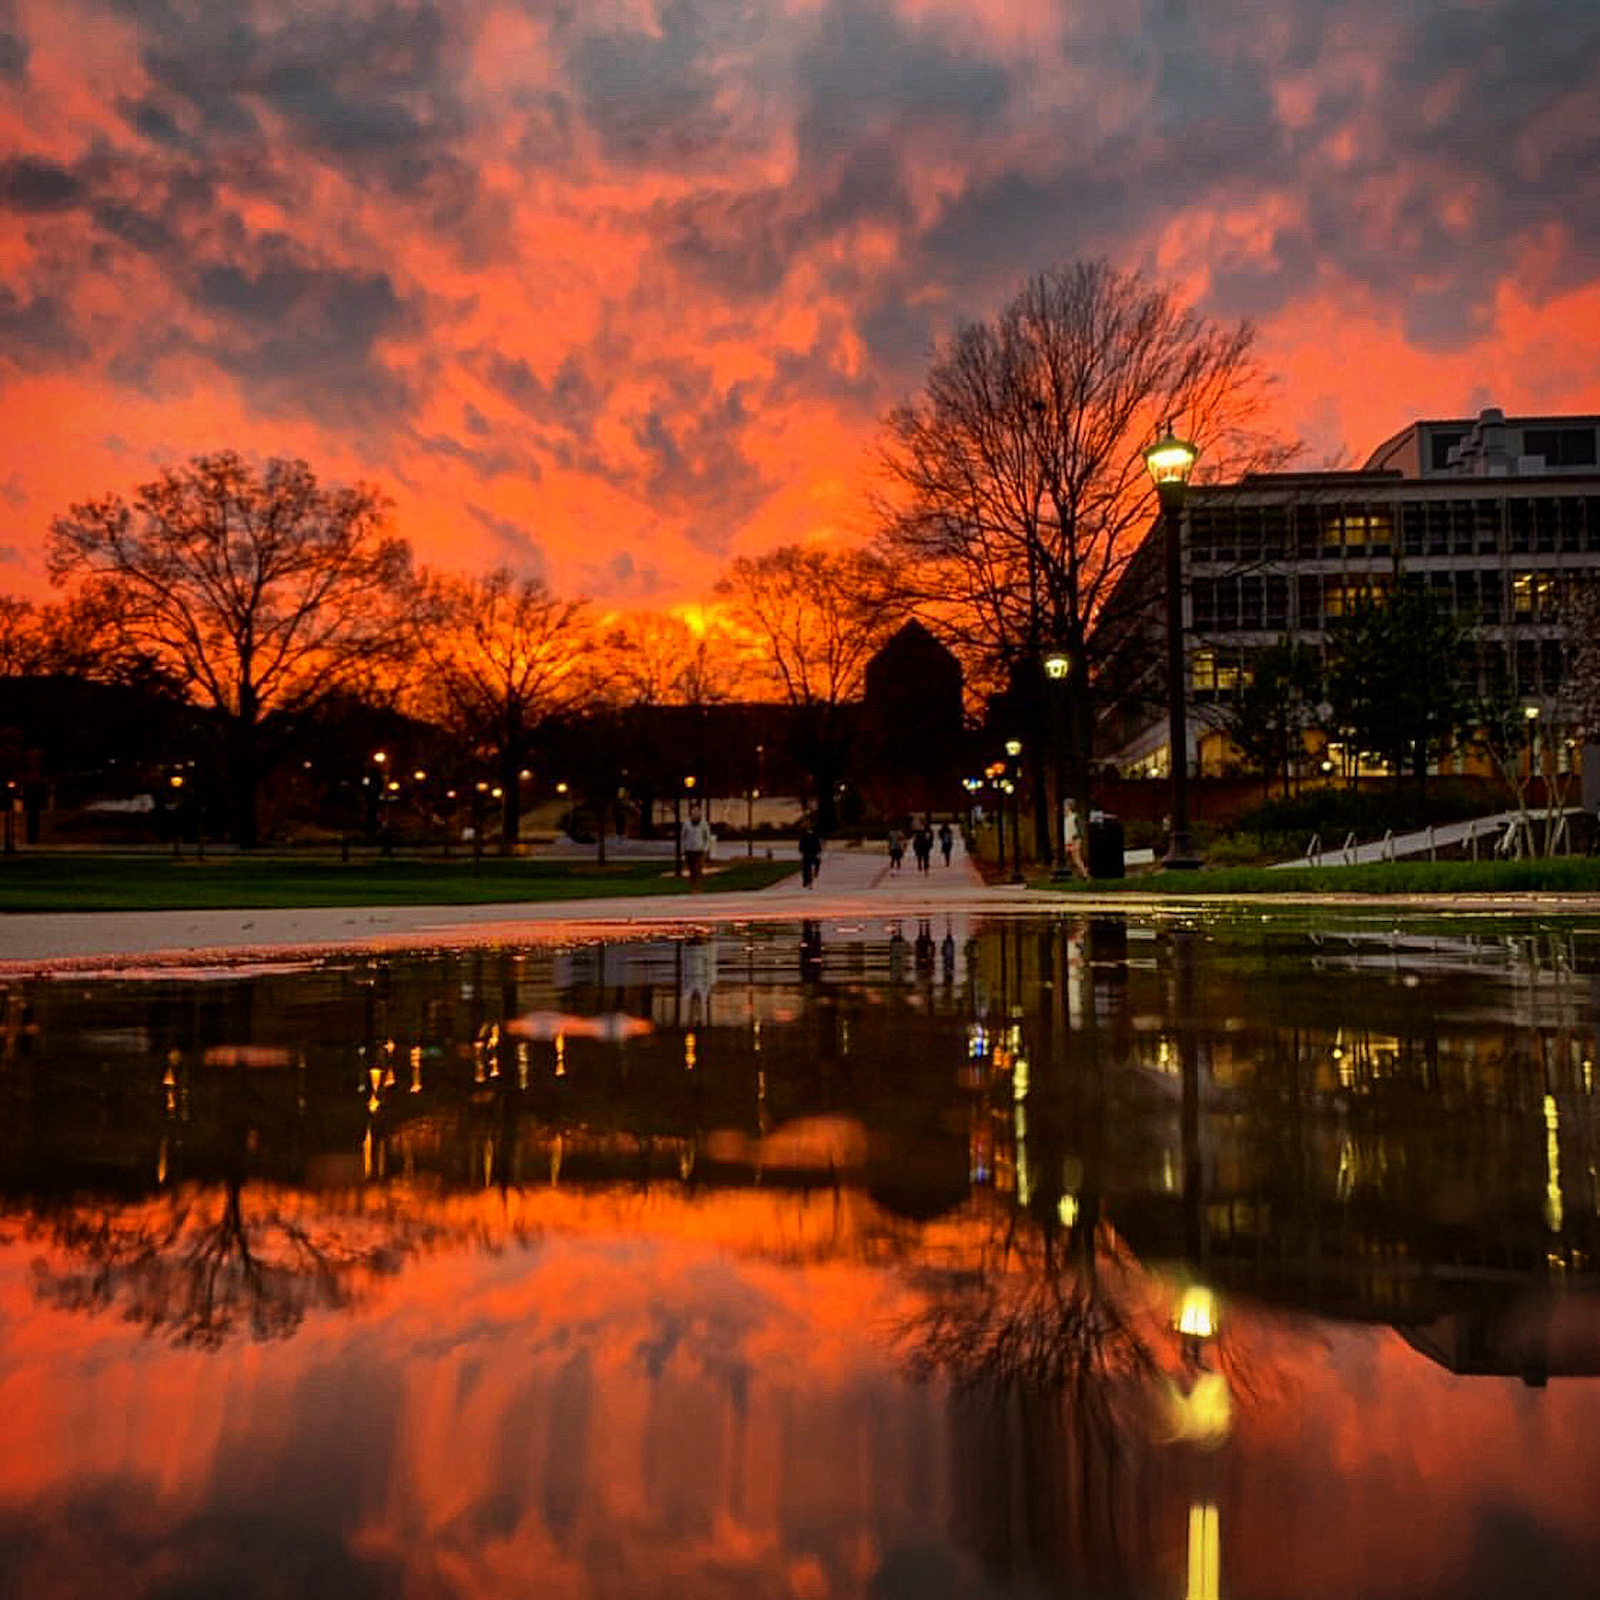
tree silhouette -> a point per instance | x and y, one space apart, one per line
505 658
261 590
821 616
1017 490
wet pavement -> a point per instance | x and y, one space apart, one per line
853 881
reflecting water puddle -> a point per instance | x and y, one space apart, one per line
797 1261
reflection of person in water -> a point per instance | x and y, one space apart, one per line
810 950
947 955
897 954
924 947
699 978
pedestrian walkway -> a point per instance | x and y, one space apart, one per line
864 869
853 882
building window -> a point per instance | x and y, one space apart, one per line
1491 595
1561 447
1274 532
1569 522
1486 513
1341 597
1440 443
1203 596
1414 526
1552 669
1439 529
1519 522
1252 607
1203 672
1533 596
1277 603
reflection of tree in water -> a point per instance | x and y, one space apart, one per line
1051 1358
207 1264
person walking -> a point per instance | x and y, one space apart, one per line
1072 838
696 840
922 844
947 841
897 849
810 852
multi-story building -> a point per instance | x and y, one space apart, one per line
1495 515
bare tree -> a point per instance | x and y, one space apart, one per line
261 590
820 616
1017 490
659 659
505 658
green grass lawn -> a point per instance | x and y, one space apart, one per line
1558 875
95 881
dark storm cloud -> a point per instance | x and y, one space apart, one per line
660 96
347 83
305 333
30 184
14 49
37 332
862 68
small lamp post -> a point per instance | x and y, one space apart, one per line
1057 666
1014 751
176 784
1170 461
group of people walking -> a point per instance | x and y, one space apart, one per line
922 839
696 839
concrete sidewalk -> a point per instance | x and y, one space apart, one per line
853 882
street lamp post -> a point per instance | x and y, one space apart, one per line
176 784
1057 664
1013 783
1170 460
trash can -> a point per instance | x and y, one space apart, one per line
1105 846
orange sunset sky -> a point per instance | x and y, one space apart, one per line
613 291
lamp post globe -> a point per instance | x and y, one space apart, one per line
1170 460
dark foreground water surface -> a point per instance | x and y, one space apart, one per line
1072 1257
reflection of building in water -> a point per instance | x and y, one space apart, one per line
1370 1125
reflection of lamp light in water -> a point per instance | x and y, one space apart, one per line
1552 1163
1205 1554
1197 1313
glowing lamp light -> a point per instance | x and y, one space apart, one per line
420 776
1170 460
689 782
1057 665
1531 713
379 757
1013 748
1197 1313
561 788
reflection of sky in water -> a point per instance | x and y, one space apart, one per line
773 1320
